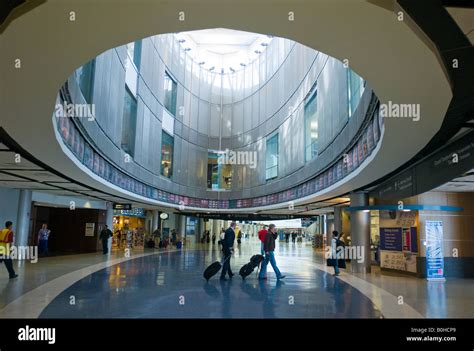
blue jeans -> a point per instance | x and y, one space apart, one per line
262 251
336 267
269 258
43 247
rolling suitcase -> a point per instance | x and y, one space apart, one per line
248 268
255 260
212 270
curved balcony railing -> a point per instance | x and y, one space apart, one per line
358 150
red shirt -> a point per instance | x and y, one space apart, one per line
261 234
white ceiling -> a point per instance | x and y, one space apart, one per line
464 183
19 173
223 37
398 64
222 48
464 18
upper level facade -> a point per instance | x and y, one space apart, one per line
237 117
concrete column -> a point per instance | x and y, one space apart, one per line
109 215
109 221
199 229
338 219
23 218
155 222
216 228
360 232
181 225
325 229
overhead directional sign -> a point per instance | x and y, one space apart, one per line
118 206
435 170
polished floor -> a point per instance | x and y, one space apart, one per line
172 286
169 284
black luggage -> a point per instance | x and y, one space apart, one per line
331 262
212 270
248 268
255 260
341 263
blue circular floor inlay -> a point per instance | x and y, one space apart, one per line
170 285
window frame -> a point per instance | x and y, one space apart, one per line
171 137
269 139
174 93
131 147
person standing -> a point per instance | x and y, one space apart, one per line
334 252
43 237
6 240
221 236
119 237
105 234
261 236
269 247
227 249
173 236
293 237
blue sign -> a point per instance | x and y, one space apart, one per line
434 250
414 240
136 212
391 239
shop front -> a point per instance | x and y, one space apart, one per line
417 239
394 240
129 229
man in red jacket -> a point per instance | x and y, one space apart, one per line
261 235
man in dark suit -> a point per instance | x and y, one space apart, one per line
227 249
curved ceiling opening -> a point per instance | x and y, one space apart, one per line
400 69
223 50
286 116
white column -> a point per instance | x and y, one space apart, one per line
360 232
109 220
24 213
155 222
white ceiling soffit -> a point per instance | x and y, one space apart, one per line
223 49
398 65
460 184
464 18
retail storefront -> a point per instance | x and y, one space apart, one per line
418 239
394 239
129 229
